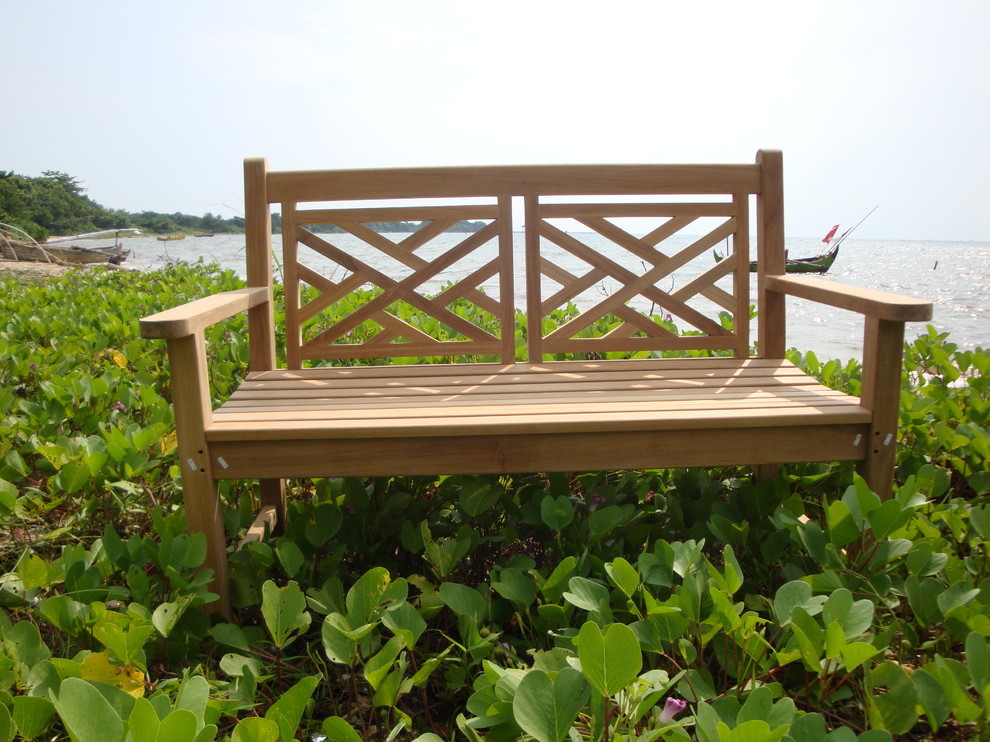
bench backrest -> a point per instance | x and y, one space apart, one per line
604 259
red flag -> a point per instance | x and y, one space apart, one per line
831 233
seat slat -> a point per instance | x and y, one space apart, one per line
439 408
535 422
674 367
599 397
310 378
483 390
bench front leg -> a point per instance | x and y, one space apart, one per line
193 412
883 348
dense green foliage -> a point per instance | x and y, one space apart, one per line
589 606
52 204
56 204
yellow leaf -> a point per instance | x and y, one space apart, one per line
168 443
119 358
97 668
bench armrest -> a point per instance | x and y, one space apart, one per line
872 303
189 318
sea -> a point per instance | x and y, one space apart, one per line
954 275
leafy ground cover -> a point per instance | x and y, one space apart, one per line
650 605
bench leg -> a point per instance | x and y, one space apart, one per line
273 495
204 514
271 513
191 402
766 471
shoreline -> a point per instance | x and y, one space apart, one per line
32 270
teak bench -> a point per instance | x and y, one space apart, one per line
617 234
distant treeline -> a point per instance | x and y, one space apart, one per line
56 204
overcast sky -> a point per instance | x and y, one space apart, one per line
154 105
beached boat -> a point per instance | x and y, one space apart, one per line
18 245
45 253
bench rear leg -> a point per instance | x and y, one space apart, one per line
766 471
273 495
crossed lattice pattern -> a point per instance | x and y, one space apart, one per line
629 294
398 295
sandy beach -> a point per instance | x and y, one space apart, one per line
32 270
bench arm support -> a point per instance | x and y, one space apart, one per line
877 304
883 346
195 316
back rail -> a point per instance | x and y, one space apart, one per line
299 186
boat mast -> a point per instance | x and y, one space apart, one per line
849 231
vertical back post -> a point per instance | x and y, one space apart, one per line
770 252
261 318
258 239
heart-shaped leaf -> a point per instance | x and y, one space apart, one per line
284 611
546 707
86 714
556 512
609 660
31 715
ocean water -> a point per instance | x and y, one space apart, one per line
954 275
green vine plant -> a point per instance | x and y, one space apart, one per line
620 606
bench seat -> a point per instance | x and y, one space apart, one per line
487 418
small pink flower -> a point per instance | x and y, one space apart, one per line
672 708
119 407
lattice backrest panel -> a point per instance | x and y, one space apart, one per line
637 277
441 288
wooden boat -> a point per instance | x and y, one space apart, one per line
170 237
818 263
115 254
18 245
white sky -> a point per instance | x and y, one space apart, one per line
153 105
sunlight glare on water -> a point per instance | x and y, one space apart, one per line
954 275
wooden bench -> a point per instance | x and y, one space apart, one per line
627 402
